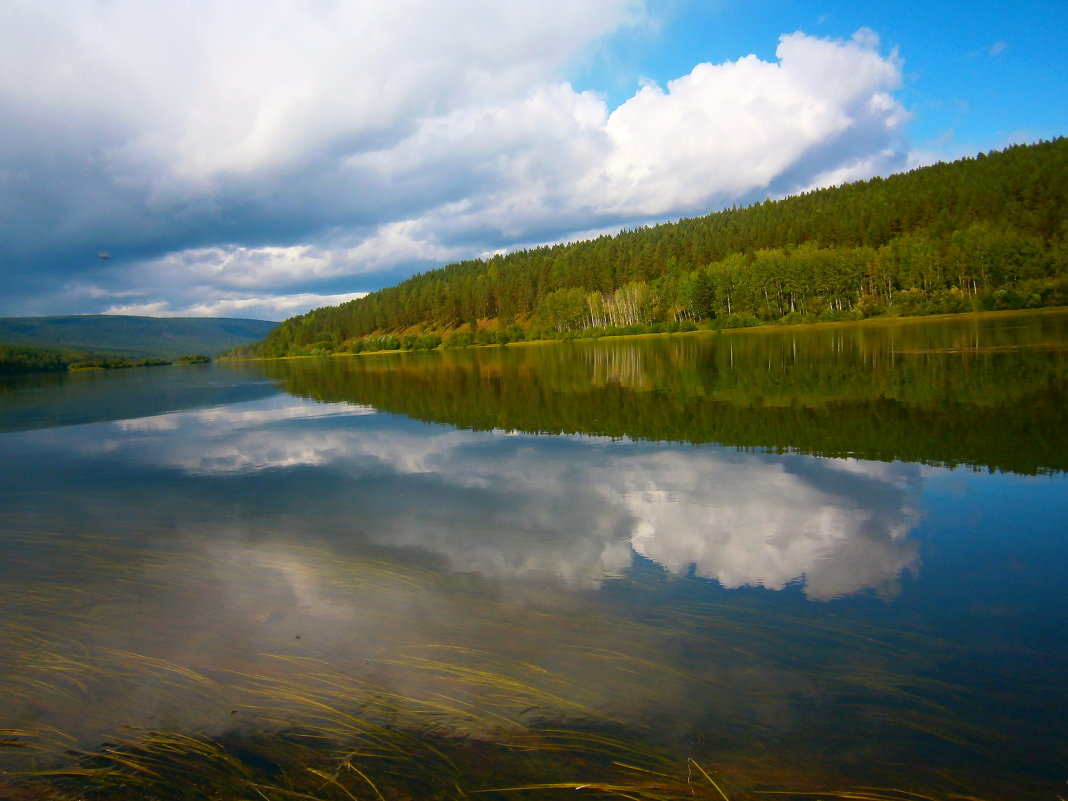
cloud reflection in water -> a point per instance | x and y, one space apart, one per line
575 509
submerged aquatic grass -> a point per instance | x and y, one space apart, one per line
424 719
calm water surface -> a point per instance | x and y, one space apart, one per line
807 560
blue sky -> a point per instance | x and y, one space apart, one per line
977 76
257 158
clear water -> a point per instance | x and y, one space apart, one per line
805 559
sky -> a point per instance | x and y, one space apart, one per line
260 158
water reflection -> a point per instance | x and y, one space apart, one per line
222 440
574 509
987 394
262 562
49 400
839 527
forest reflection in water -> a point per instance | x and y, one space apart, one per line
275 572
979 392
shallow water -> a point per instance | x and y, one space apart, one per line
805 559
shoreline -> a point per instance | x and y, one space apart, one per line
764 328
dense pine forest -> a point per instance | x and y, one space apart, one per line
983 233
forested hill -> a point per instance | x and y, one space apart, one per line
132 337
982 233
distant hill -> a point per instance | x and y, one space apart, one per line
133 337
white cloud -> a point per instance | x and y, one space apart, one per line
210 89
725 130
715 136
276 307
217 281
258 155
159 308
240 267
235 281
396 243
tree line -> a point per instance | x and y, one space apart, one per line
982 233
17 359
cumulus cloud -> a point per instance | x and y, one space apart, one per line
823 112
724 131
257 308
249 157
